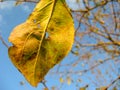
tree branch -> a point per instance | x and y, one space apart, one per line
113 82
89 9
114 16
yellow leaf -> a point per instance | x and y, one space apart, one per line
43 40
82 88
45 88
102 88
68 80
61 80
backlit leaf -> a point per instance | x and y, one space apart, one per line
68 80
43 40
45 88
61 80
82 88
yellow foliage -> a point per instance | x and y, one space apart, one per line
68 80
43 40
61 80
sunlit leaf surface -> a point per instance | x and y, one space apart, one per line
43 40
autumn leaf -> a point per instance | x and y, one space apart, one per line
69 80
83 88
43 40
61 80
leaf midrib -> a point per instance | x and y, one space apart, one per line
54 2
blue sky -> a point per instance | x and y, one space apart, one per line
10 77
10 16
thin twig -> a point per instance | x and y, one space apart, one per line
89 69
114 16
90 8
113 82
44 84
4 43
79 23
